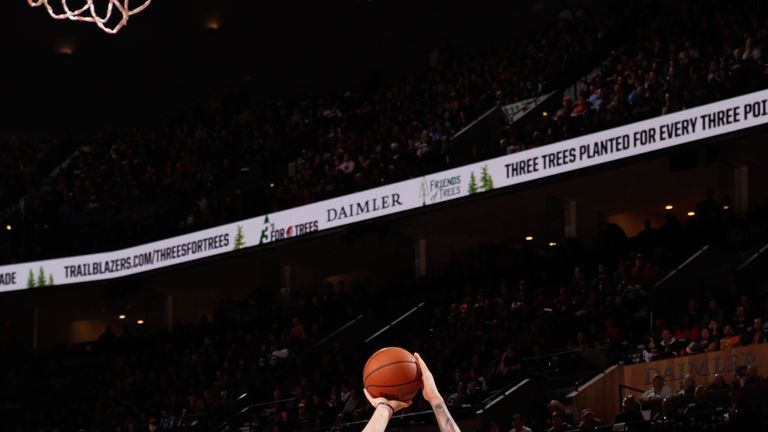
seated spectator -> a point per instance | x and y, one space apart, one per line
651 352
718 383
730 339
642 272
713 312
741 416
751 376
714 329
757 333
685 331
688 386
658 389
740 321
518 424
669 346
558 423
667 418
699 407
630 415
703 344
588 422
509 366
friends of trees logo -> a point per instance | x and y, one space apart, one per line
436 190
485 184
41 280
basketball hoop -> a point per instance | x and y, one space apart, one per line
114 16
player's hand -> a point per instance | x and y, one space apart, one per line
428 386
396 405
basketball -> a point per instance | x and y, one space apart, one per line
392 373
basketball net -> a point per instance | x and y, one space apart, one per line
111 19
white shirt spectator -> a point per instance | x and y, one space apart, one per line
652 393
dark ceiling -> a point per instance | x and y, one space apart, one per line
170 58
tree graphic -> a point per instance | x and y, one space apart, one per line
50 279
239 238
423 191
472 187
31 279
264 232
486 181
41 278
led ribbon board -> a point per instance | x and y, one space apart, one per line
602 147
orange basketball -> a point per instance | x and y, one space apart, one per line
392 373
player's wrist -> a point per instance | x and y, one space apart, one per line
385 407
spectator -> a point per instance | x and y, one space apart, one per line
740 414
718 383
558 423
630 415
518 424
740 322
588 422
658 390
699 408
703 344
758 333
667 418
713 313
730 339
685 331
669 345
688 386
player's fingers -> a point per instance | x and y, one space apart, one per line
422 365
368 396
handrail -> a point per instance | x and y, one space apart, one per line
503 395
337 331
680 267
752 258
626 387
554 354
400 318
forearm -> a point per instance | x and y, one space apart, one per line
379 419
444 420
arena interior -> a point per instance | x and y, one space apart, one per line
212 213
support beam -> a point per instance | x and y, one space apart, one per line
420 257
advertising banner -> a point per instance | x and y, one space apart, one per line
590 150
